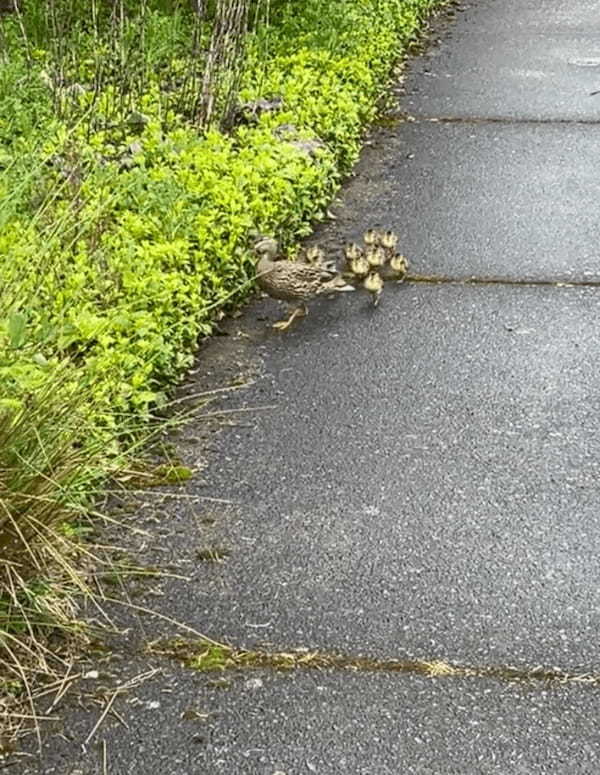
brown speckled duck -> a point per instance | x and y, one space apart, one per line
293 281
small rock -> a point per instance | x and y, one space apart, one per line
251 111
253 684
309 147
264 105
137 119
127 163
285 129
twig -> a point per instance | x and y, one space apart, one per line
131 684
6 765
103 715
64 685
182 496
33 717
236 411
166 618
51 687
120 718
209 393
130 572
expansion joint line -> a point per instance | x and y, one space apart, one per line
473 280
506 120
209 656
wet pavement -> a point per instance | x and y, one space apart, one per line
418 481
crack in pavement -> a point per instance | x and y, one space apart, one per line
210 656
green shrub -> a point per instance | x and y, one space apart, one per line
145 254
123 230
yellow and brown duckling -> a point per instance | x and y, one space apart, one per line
389 241
316 256
375 256
371 238
352 251
396 268
359 267
373 283
293 281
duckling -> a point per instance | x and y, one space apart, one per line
356 266
373 283
375 256
266 246
389 240
315 256
359 267
293 281
371 237
396 269
352 251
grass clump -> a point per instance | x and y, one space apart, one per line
45 482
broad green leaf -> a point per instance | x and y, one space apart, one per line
16 325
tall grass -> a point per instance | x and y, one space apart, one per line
47 475
83 67
110 55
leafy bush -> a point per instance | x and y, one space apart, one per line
151 242
123 229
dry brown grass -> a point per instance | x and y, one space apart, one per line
45 477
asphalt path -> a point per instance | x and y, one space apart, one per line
417 482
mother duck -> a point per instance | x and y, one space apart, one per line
294 281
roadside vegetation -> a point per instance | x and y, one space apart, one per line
142 145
